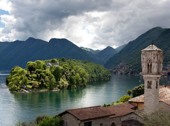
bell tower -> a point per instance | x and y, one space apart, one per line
152 63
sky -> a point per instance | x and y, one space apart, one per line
93 24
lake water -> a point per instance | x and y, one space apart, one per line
26 107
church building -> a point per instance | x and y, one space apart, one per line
128 114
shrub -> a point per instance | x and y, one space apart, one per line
50 121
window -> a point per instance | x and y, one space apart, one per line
113 124
149 84
65 123
88 123
156 84
101 124
149 65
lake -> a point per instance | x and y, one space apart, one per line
26 107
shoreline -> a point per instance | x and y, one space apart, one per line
23 91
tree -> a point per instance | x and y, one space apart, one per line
54 61
40 65
139 90
31 66
50 81
57 73
129 92
17 79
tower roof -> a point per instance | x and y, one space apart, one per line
151 47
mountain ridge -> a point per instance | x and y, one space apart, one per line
128 59
124 59
18 53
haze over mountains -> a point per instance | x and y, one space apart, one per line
125 59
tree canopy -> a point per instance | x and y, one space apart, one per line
55 73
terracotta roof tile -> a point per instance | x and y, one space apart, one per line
99 111
164 95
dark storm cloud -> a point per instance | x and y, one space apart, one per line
90 23
36 16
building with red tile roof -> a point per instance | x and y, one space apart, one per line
99 115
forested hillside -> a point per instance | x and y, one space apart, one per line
127 61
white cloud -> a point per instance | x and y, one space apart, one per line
5 5
89 23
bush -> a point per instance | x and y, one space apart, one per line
138 90
50 121
123 99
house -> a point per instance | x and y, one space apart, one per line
117 115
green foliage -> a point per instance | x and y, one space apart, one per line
50 121
54 61
40 65
158 118
17 79
138 90
55 73
124 98
129 92
31 66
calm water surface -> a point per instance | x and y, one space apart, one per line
26 107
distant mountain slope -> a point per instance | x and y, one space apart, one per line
102 55
90 50
118 49
106 54
20 52
128 59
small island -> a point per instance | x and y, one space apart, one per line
55 74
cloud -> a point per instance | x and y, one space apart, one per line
88 23
5 5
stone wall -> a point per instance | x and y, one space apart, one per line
70 120
163 106
104 122
151 93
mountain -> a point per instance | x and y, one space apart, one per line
106 54
20 52
128 59
118 49
102 55
90 50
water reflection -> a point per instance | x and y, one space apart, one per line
26 107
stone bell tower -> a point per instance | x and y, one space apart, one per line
152 63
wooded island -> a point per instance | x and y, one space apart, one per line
55 74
